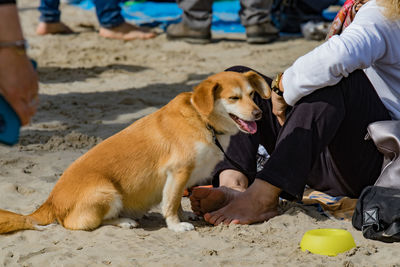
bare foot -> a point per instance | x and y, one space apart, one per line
205 200
126 32
257 204
53 28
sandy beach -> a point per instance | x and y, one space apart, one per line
91 88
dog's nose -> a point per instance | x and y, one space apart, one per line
257 114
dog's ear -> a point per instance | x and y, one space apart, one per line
259 84
203 96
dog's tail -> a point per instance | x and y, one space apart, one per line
11 222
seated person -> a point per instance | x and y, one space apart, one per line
315 124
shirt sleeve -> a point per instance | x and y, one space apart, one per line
7 2
359 45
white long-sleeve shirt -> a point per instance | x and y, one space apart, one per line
371 43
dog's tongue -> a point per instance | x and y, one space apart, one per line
248 126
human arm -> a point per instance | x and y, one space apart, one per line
358 47
279 104
18 80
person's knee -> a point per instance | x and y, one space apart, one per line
324 102
239 68
242 69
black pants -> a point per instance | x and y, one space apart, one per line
321 143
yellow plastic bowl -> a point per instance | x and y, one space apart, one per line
328 242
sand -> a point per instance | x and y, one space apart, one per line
91 88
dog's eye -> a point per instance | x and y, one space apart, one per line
234 98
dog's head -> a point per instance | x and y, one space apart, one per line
225 100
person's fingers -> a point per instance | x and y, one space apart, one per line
279 108
25 109
281 119
33 104
34 91
22 111
280 115
32 101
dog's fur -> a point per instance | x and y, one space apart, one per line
149 162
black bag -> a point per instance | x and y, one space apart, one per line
289 15
377 212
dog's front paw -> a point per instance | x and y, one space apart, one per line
181 227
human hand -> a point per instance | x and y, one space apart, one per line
233 179
18 83
279 105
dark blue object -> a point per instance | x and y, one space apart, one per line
9 123
328 15
34 64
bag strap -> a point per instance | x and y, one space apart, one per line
393 229
234 163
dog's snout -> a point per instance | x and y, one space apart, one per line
257 114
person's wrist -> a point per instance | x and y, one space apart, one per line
276 85
19 46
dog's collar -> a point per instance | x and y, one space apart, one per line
218 144
213 131
214 137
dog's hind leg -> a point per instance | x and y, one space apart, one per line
171 200
96 204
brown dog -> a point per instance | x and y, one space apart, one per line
152 160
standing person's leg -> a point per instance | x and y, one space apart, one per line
50 18
195 26
335 118
197 14
113 25
255 16
49 11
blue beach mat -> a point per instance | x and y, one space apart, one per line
225 17
146 13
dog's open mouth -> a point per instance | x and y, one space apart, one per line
246 126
